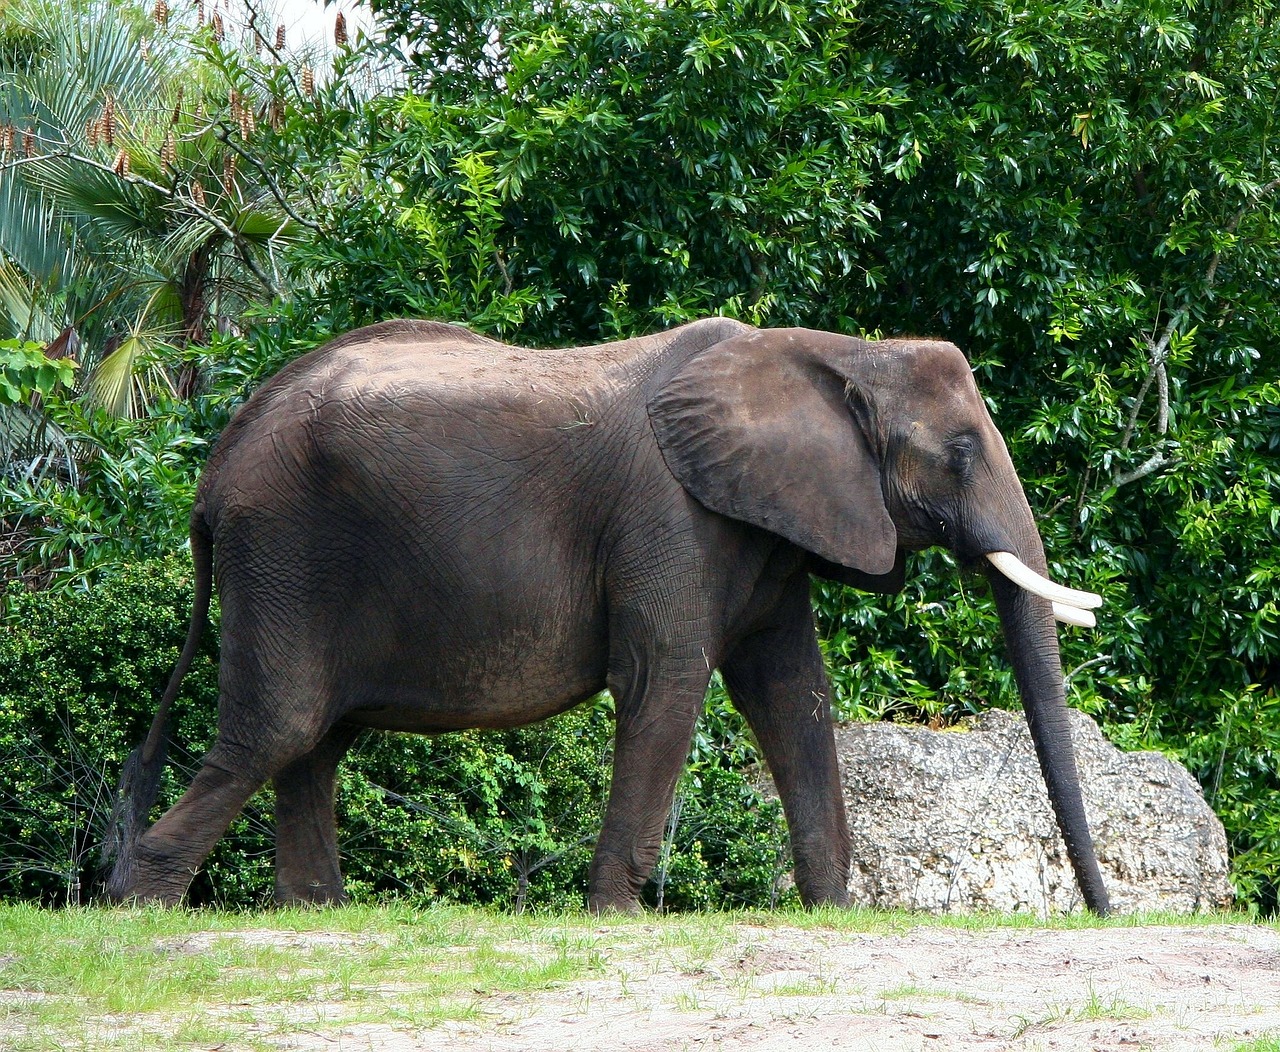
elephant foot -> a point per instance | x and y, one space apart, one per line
603 906
150 877
315 894
614 886
826 887
838 899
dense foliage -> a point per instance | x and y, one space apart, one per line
1083 195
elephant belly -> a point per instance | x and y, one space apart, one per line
419 591
403 636
419 712
501 659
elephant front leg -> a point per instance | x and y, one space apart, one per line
657 710
777 680
307 867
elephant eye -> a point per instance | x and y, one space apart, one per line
960 453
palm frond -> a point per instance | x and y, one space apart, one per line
32 445
17 301
93 52
256 228
116 252
86 51
121 208
23 309
122 380
162 315
30 235
263 226
112 383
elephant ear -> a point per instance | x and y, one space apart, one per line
759 428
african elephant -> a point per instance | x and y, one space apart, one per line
421 529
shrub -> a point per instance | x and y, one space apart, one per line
80 674
135 480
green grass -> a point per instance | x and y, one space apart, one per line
1094 1009
815 986
142 978
887 922
914 991
1115 1008
130 979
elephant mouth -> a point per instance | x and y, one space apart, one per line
1070 605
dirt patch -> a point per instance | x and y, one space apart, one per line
1111 990
203 941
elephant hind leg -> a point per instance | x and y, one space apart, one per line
307 867
171 852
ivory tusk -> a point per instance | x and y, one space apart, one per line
1073 615
1022 575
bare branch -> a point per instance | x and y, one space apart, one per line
1158 356
1148 467
507 283
1101 659
1211 274
1162 399
224 136
1160 375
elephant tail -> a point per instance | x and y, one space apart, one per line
140 778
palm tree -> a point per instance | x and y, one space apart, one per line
125 209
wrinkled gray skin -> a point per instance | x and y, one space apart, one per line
420 529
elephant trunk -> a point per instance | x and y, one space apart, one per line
1031 636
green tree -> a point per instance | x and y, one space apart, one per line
649 164
130 229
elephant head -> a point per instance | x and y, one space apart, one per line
857 451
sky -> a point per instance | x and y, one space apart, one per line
306 20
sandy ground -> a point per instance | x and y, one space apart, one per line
1124 989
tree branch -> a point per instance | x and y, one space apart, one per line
1148 467
224 136
1158 356
1100 660
1211 274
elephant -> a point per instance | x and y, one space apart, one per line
418 528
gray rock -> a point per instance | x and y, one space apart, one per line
959 821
